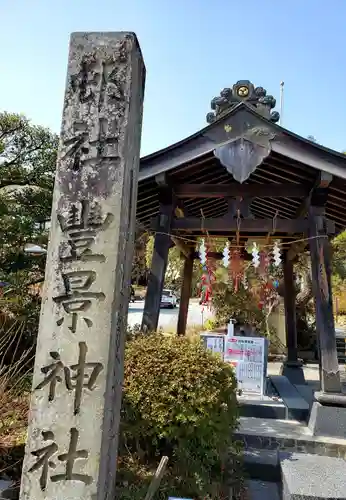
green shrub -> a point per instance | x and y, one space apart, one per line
179 400
242 306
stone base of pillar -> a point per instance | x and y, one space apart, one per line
293 370
328 420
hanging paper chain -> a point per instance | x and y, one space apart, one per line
225 254
276 254
203 253
255 255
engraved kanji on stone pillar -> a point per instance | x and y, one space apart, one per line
71 451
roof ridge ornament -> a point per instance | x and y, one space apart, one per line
243 91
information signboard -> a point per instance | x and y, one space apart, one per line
213 342
248 355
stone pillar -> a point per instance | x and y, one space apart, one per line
159 261
71 451
291 368
324 414
185 293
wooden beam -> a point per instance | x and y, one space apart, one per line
224 224
317 195
248 190
162 180
228 225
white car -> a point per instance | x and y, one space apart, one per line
168 299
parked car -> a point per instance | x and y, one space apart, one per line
168 299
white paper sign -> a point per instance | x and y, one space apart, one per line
248 355
213 342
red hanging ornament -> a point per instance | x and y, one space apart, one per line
264 263
236 268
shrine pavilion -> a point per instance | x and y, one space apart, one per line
245 177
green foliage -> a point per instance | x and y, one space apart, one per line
179 400
339 256
27 167
139 268
242 306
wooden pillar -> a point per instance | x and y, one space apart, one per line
321 280
290 310
291 368
156 277
185 293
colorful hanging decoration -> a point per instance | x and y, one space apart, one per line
225 253
208 275
236 268
276 283
255 255
203 252
276 254
264 263
205 289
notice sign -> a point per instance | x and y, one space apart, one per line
248 355
213 342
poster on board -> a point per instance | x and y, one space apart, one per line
248 356
213 342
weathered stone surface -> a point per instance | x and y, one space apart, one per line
262 490
327 421
72 442
287 435
310 477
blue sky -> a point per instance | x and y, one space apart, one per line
192 49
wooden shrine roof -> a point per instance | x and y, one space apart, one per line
293 160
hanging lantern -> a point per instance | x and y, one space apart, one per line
255 255
276 254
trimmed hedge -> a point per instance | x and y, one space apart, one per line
179 400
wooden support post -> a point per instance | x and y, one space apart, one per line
290 311
185 294
291 368
321 280
159 263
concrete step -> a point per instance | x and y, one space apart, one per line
262 490
286 435
309 477
262 465
265 407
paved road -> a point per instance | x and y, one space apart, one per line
169 317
